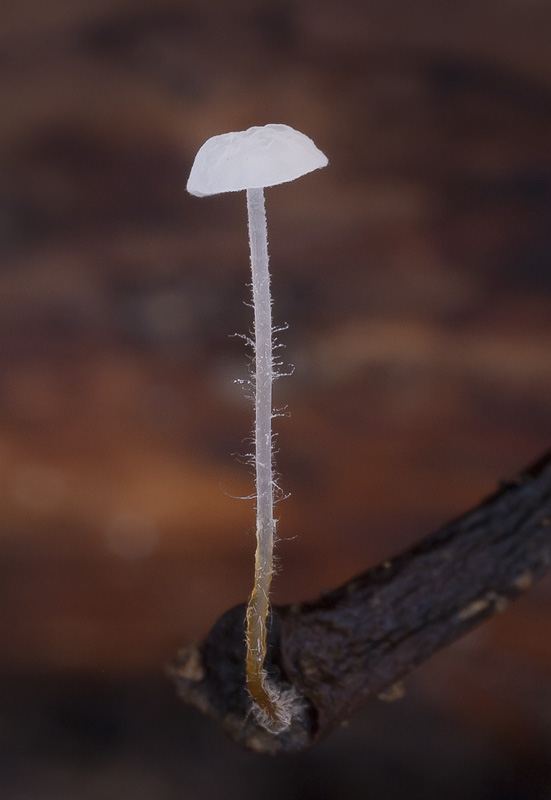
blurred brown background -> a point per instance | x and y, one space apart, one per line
415 276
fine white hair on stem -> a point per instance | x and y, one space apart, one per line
265 697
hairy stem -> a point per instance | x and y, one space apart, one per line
264 696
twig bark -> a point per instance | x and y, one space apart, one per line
360 639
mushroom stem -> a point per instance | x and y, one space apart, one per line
257 611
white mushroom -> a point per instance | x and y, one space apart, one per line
251 160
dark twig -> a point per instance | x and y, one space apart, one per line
359 639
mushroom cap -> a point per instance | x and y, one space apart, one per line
252 159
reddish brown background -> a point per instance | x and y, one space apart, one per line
415 276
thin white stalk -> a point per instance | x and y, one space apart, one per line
266 699
262 302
